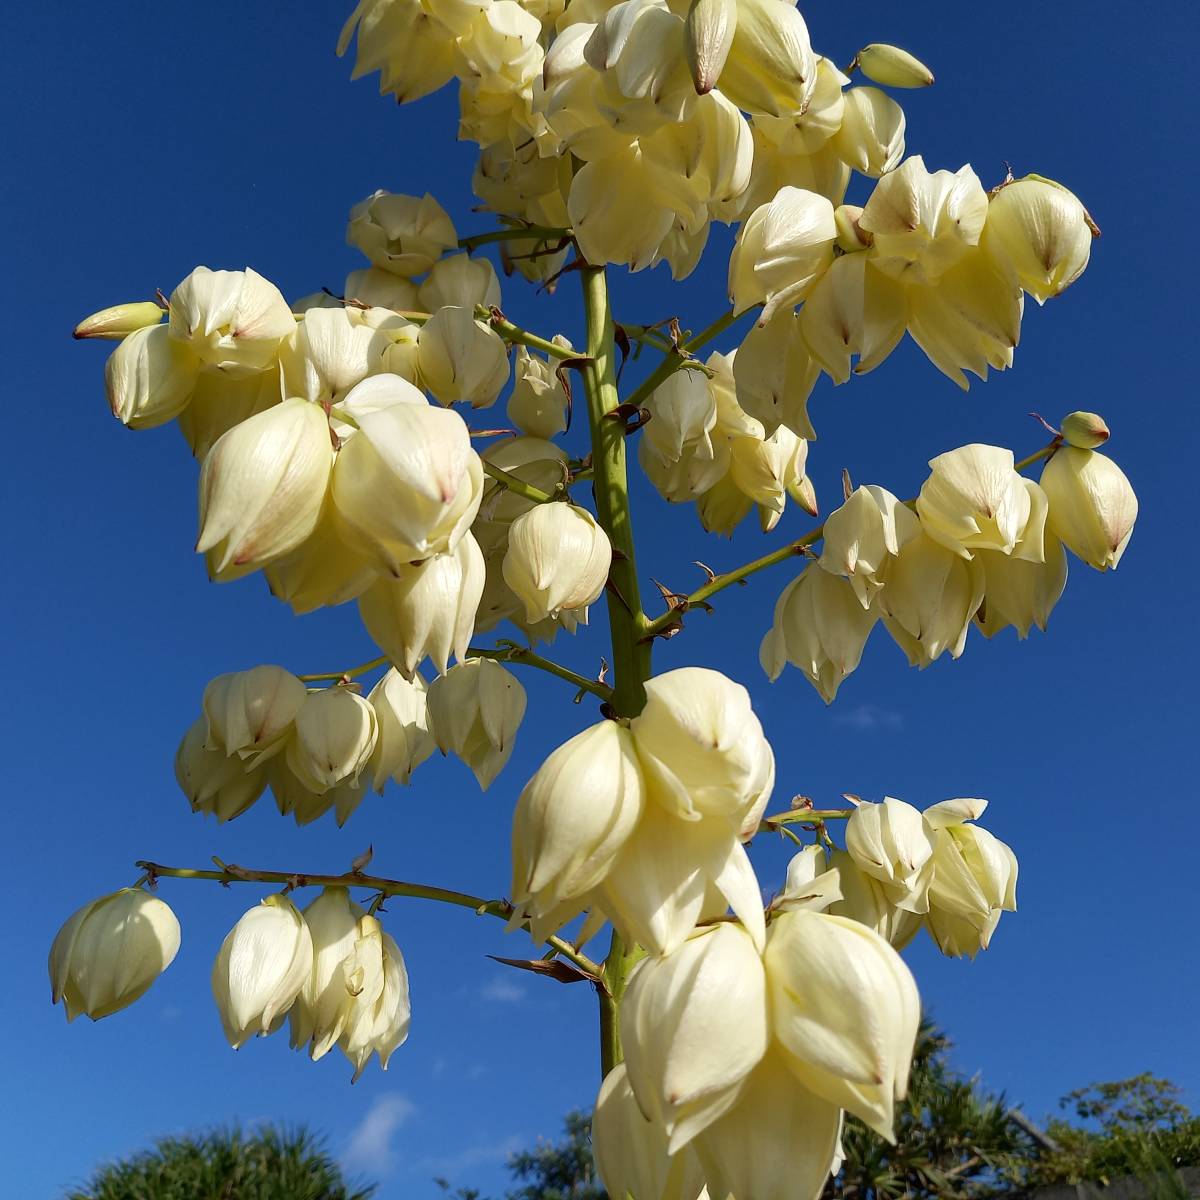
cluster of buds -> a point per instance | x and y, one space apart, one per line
701 445
982 545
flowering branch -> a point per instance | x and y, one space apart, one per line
680 356
231 873
516 233
515 484
508 652
362 669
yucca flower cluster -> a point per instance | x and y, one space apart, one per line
337 459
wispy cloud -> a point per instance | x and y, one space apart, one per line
451 1167
867 718
502 990
370 1146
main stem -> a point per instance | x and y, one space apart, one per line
631 655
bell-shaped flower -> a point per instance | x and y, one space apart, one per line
232 320
264 961
975 500
304 803
461 359
375 287
693 1026
974 879
475 710
539 405
861 538
892 842
768 470
405 235
213 781
770 67
1018 592
557 560
532 460
682 451
414 52
1092 505
1038 233
110 951
631 1150
854 311
753 1149
775 373
250 713
150 378
923 223
378 1011
262 486
701 745
865 899
871 136
929 600
407 485
672 872
320 1011
323 570
783 248
332 350
723 507
404 742
892 67
572 818
460 281
427 610
218 403
335 735
821 628
807 131
845 1008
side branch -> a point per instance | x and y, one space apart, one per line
515 233
520 487
514 653
678 357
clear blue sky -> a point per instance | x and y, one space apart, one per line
142 139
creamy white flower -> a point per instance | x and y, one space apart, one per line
572 818
428 609
808 130
374 286
460 281
213 781
233 320
402 234
693 1026
775 374
1092 505
332 350
402 712
871 135
770 66
262 486
305 803
558 559
533 461
218 403
250 713
1018 592
809 883
335 735
150 378
461 359
845 1008
475 710
865 899
768 470
110 951
892 842
264 961
862 536
539 404
319 1013
323 570
378 1011
414 52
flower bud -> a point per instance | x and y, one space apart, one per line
1038 233
460 281
405 742
783 249
701 745
213 781
865 899
334 739
631 1151
871 136
427 609
572 818
407 485
475 710
709 31
929 600
110 951
262 486
539 404
774 374
845 1008
233 320
373 286
694 1025
150 378
821 628
119 321
851 239
1093 506
462 359
1084 430
892 842
264 961
405 235
862 536
378 1012
250 713
558 559
893 67
319 1014
923 223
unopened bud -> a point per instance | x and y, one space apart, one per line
893 67
710 27
850 237
119 321
1086 430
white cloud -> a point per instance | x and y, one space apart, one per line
482 1153
869 717
502 990
370 1147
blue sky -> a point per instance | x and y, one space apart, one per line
143 139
